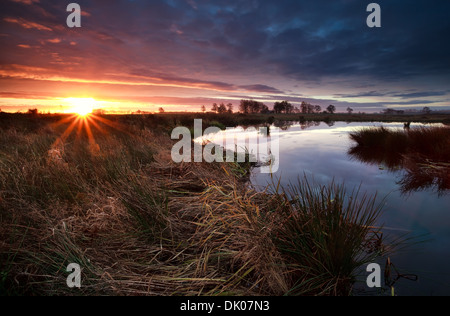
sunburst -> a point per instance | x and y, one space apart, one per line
82 120
81 106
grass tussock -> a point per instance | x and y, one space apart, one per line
327 236
138 224
422 152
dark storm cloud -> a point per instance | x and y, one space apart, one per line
335 42
363 94
261 88
421 94
308 39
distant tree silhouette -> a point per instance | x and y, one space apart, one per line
244 106
161 110
426 110
278 107
350 110
253 107
392 112
304 107
264 108
283 107
222 109
33 111
100 112
230 108
307 108
331 109
203 108
215 108
289 107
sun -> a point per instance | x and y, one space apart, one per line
81 106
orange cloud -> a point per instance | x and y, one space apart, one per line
54 40
44 74
29 2
27 24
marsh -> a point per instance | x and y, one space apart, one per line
415 186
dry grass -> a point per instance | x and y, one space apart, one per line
140 225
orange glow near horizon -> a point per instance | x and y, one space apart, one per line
87 104
81 106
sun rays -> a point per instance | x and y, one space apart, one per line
83 123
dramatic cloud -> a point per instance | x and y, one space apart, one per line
207 50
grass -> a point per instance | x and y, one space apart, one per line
327 236
422 152
139 224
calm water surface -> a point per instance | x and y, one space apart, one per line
322 152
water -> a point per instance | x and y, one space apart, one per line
321 151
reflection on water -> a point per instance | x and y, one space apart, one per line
423 155
321 151
285 125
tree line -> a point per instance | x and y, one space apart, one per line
255 107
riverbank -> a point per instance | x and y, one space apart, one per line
102 192
167 121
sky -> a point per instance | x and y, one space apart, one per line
131 55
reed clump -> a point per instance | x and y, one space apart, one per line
422 152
